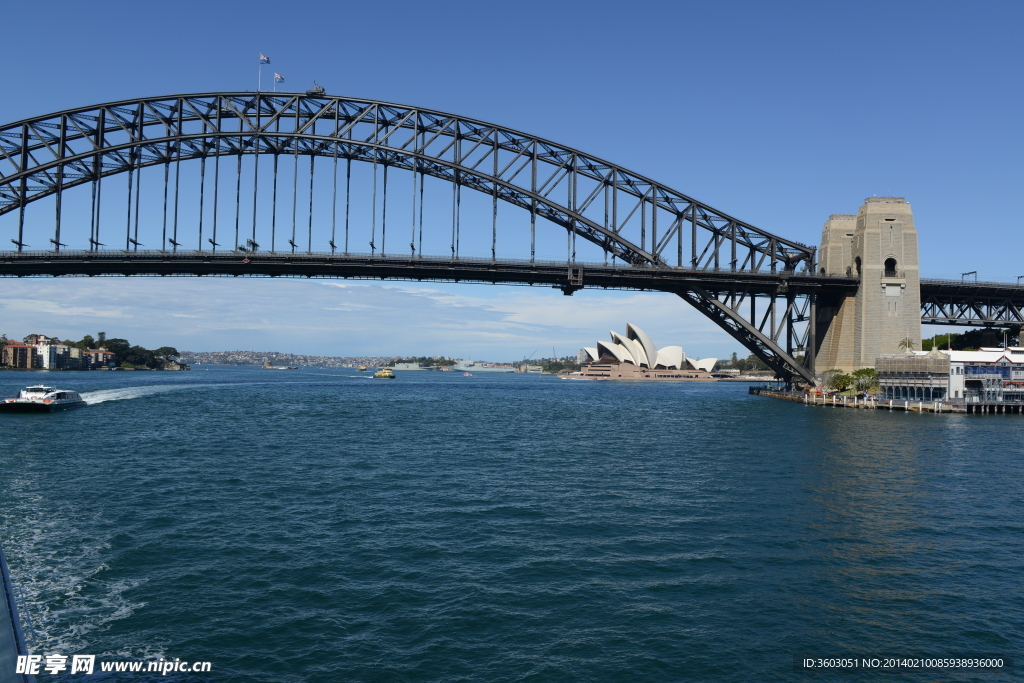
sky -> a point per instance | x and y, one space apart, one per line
777 113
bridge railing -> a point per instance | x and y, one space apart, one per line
946 280
189 254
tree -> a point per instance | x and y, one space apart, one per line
119 347
971 339
554 367
87 343
101 339
138 356
838 380
865 379
906 344
167 352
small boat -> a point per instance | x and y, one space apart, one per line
385 373
362 368
42 399
467 374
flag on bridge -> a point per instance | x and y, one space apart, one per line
264 59
278 78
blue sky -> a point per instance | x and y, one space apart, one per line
778 113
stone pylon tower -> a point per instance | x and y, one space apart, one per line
880 245
836 258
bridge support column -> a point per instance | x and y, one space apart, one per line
879 245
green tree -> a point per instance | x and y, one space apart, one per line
139 356
837 380
557 366
166 352
971 339
906 344
865 379
119 347
87 343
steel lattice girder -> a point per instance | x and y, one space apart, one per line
971 303
41 156
759 321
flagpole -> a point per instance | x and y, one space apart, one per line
259 86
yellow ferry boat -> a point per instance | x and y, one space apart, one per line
362 368
386 373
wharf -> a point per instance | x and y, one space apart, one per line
894 404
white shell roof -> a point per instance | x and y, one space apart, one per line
635 354
638 348
671 357
620 352
644 340
705 364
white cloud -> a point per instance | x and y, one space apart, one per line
56 308
339 318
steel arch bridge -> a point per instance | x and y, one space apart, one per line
760 288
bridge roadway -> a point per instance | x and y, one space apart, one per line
944 302
564 275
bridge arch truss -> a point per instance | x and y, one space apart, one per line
759 287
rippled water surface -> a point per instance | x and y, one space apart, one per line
319 525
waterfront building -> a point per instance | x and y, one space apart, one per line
50 356
989 375
100 358
19 355
634 356
43 353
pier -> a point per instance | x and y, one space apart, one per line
905 405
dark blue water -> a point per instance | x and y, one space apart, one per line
319 525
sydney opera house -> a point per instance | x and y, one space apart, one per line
634 356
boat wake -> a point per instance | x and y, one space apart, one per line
125 393
64 589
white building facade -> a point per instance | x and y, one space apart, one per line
989 375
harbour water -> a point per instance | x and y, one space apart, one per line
320 525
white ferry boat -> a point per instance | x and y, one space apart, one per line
41 399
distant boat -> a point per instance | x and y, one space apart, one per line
386 373
267 365
362 368
477 366
467 374
42 399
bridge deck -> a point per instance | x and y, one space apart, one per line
368 266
